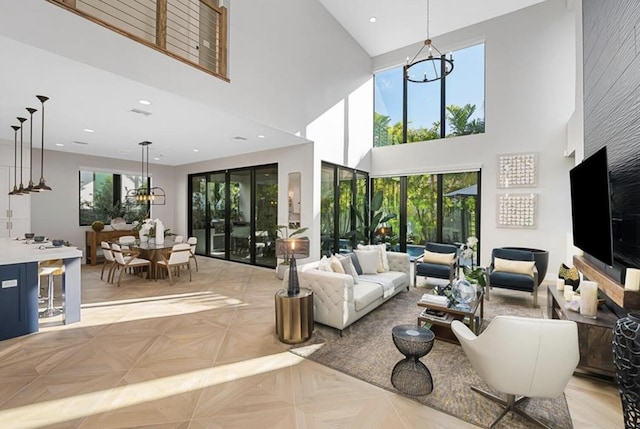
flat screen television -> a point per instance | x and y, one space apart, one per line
591 207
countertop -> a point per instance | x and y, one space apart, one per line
14 251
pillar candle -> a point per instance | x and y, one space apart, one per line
589 299
560 284
632 279
568 293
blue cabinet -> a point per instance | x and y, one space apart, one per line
18 299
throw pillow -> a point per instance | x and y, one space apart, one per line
518 267
325 265
368 260
348 267
438 258
383 260
336 265
356 263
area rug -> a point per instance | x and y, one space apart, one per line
366 351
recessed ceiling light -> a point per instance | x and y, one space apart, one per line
144 102
156 159
373 19
59 144
196 150
88 130
260 136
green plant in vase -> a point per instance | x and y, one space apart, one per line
477 275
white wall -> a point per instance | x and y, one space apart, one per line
530 96
56 213
289 60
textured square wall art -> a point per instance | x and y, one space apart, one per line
516 210
517 170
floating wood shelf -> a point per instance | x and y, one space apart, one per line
627 299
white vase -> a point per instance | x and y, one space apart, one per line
144 233
159 232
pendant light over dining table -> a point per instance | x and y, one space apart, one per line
155 195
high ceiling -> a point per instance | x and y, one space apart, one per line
404 22
85 97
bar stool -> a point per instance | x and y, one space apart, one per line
50 268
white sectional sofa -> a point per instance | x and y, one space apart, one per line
338 302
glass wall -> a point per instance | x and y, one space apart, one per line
327 205
234 214
442 208
217 201
344 207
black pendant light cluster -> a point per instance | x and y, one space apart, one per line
30 188
154 196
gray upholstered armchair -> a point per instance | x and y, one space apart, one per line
439 261
513 269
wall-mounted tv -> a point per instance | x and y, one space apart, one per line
591 207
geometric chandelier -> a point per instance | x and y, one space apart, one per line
431 68
154 196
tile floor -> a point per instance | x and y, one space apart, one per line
203 354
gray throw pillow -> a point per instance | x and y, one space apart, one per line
356 263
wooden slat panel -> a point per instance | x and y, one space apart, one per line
627 299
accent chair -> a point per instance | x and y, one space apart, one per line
522 358
439 261
513 269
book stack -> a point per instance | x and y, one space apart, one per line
429 313
440 300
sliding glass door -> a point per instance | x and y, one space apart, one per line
217 201
234 214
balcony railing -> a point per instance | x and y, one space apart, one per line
192 31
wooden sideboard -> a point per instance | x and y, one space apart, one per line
594 335
94 239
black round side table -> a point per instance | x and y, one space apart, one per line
409 375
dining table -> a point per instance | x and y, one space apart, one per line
151 250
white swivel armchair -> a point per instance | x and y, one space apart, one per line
522 357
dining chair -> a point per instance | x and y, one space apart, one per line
178 239
108 260
126 240
132 261
193 241
178 257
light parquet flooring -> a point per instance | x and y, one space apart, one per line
203 354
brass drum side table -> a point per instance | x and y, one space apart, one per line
294 316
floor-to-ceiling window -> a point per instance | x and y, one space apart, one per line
442 208
426 111
343 207
234 214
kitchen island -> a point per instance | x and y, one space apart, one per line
19 261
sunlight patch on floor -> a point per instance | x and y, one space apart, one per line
36 415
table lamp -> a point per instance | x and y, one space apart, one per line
291 249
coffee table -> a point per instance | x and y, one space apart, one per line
441 326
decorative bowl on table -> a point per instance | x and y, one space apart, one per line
38 238
29 235
57 242
119 224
